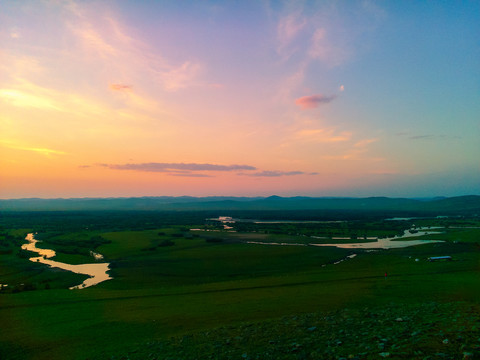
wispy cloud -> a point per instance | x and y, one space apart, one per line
327 135
321 35
313 101
356 152
39 150
120 87
288 28
26 94
267 173
408 135
44 151
199 169
420 137
181 76
362 144
195 175
102 37
15 34
94 41
177 167
18 66
324 48
22 98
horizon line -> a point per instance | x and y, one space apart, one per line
234 196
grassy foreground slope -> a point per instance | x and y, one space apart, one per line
182 294
428 330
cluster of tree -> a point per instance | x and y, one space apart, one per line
6 244
352 229
9 242
21 287
74 221
79 245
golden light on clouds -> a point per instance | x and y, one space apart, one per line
88 83
322 135
23 99
42 151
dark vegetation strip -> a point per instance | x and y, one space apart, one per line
64 221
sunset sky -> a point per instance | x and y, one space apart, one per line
244 98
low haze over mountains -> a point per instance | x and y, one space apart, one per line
453 205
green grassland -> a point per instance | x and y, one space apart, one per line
23 275
171 283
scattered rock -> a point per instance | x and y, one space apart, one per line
418 336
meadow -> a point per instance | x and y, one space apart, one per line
171 284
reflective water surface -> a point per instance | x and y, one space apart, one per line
390 243
97 271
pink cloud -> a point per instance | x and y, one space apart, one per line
313 101
177 167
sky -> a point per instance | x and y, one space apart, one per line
239 98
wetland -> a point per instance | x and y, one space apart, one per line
218 292
97 272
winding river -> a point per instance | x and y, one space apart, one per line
98 272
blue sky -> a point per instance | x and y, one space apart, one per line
345 98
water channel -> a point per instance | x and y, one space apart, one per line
98 272
386 243
392 242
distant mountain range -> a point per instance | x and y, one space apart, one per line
454 205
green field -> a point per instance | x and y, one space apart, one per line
171 283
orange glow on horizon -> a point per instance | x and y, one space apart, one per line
90 97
